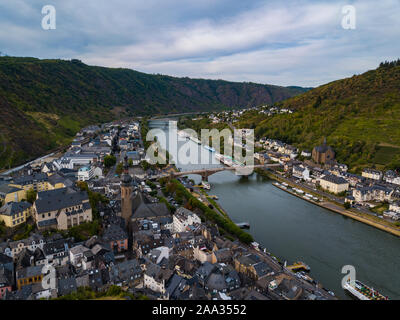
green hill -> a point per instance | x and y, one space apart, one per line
43 103
359 116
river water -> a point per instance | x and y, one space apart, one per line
294 229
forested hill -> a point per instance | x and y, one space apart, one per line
43 103
360 116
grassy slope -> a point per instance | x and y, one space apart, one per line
43 103
360 116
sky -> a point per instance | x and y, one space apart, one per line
290 42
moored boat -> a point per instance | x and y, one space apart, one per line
362 292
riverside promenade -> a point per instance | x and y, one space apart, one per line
339 209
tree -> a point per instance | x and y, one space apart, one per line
145 165
109 161
120 168
347 205
130 163
31 195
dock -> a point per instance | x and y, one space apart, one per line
298 266
243 225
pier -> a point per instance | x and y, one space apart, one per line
297 266
243 225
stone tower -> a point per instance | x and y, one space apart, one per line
126 193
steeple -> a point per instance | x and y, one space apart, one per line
126 192
126 178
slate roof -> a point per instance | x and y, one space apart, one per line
216 281
34 178
6 189
57 199
334 179
57 246
12 208
29 272
66 286
144 208
114 233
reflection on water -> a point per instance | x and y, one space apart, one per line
294 229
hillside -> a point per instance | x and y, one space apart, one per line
43 103
359 116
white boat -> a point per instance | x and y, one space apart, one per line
362 291
209 148
206 185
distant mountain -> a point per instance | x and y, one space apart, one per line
360 116
43 103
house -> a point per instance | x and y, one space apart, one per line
127 273
6 281
57 252
31 243
155 278
301 172
306 154
134 156
61 209
116 237
334 183
66 286
175 287
373 193
15 213
28 276
204 271
252 266
372 174
10 193
6 262
395 207
391 177
184 218
77 254
204 253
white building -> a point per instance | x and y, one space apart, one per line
184 218
301 173
85 173
395 207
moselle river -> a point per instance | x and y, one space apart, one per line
293 229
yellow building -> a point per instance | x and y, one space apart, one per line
11 194
15 213
29 276
38 182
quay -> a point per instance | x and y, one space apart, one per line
337 209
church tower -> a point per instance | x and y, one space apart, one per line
126 192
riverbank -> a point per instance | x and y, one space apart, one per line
337 209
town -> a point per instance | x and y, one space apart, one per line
316 175
89 223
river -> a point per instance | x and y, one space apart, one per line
294 229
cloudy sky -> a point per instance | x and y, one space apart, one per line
291 42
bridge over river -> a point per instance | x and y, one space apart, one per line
205 173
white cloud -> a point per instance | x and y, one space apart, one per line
291 43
